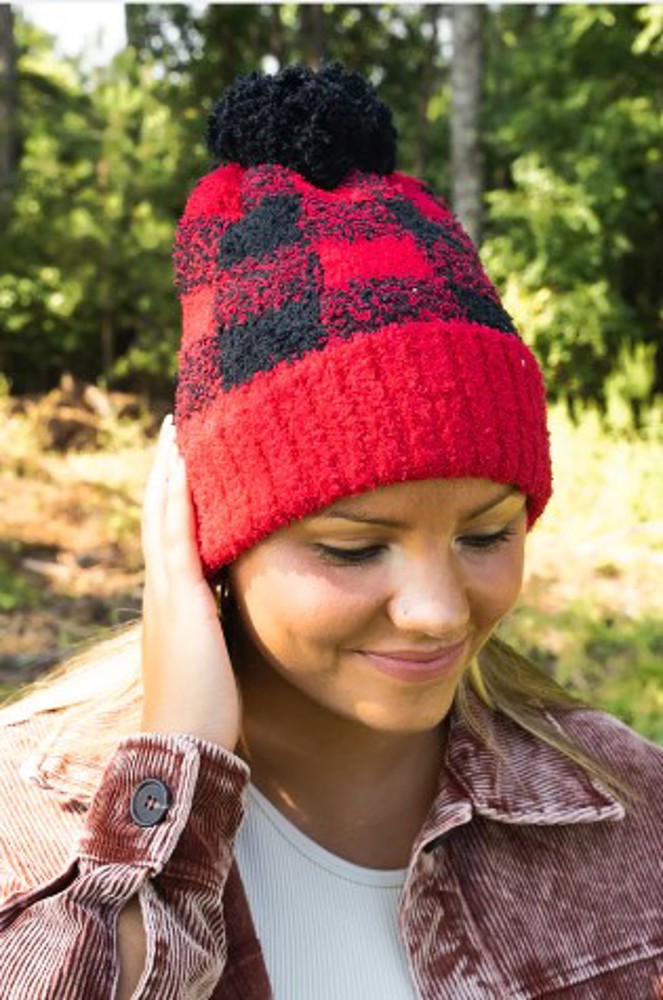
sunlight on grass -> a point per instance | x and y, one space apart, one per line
590 609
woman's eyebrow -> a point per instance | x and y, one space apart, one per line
353 515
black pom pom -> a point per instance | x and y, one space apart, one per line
321 124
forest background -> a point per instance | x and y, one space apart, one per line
540 123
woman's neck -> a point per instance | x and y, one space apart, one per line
360 793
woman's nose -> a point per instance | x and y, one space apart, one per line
430 598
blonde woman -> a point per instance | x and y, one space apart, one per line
313 772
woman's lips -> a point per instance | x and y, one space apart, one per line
411 669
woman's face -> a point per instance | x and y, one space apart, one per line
408 570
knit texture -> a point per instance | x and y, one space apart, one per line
335 341
321 124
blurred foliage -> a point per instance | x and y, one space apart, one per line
611 661
590 609
575 234
16 590
573 173
85 255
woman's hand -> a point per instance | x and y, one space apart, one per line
189 685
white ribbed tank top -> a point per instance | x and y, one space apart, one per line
328 928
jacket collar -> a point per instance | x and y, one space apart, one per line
518 779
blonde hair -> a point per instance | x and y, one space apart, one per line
96 695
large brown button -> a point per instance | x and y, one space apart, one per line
150 802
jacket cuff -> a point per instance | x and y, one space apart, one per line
198 818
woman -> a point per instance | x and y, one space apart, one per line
337 782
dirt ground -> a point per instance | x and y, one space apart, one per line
70 556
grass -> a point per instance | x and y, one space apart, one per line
590 608
16 590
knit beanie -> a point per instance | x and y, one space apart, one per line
339 331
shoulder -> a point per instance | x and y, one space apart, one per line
609 738
633 759
22 744
39 821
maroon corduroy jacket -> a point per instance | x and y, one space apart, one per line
526 880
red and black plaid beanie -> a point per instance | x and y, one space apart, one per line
339 331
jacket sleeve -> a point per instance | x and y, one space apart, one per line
59 940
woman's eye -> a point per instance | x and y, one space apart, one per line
484 543
487 542
351 556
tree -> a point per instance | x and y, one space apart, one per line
8 137
575 192
85 274
569 134
313 33
466 87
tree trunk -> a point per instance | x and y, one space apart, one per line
8 140
313 33
427 81
107 344
277 35
466 85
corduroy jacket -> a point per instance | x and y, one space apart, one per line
526 880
